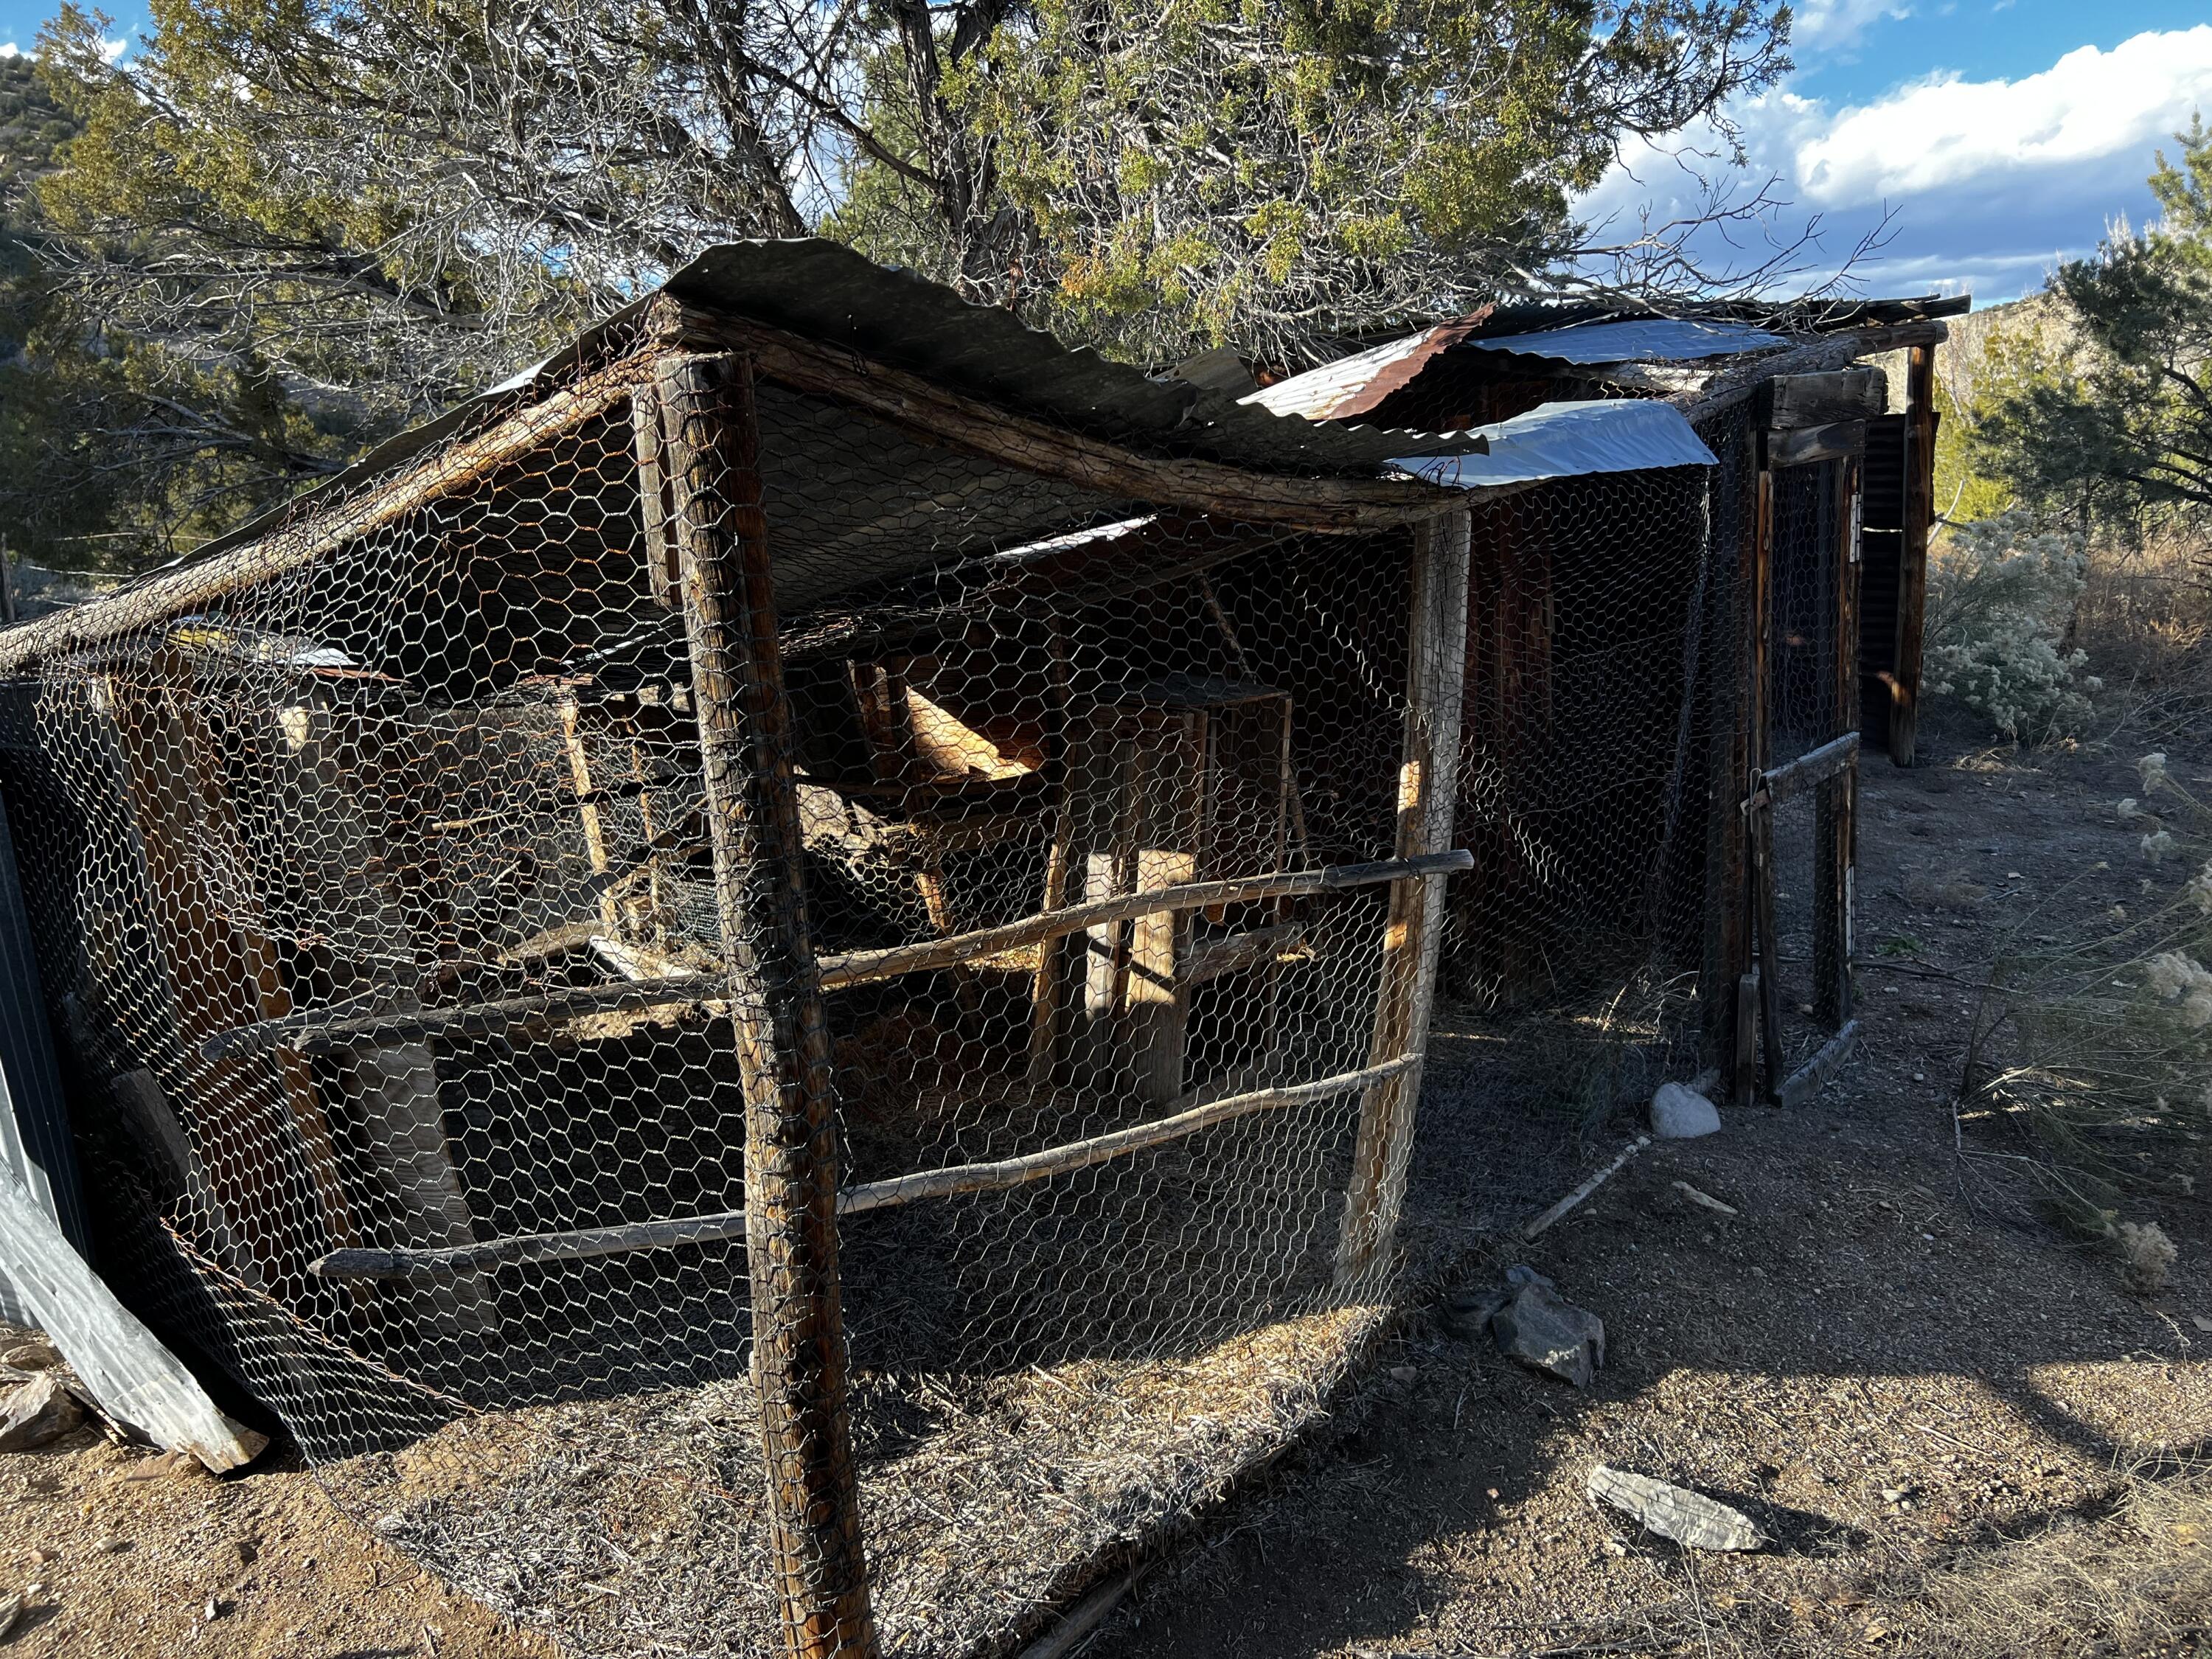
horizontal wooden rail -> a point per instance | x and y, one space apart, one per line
858 967
317 532
1816 766
958 1179
316 1033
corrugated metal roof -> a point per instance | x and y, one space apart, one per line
1352 385
1641 340
1317 394
1570 440
828 293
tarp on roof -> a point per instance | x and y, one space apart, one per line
1639 340
1570 440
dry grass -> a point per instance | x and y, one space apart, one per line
635 1525
2137 1581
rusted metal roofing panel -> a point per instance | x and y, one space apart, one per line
1351 385
1570 440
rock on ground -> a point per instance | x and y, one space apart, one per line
1680 1113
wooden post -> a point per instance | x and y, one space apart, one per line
1760 810
746 747
1436 675
1834 803
1912 554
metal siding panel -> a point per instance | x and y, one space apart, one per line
34 1132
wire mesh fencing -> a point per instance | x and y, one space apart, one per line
759 1030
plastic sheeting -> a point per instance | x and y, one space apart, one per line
1570 440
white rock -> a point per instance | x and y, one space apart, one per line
1676 1512
1680 1113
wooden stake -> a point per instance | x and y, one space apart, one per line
746 744
1428 775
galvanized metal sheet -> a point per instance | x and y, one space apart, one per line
1639 340
1570 440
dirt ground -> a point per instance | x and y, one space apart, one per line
1885 1357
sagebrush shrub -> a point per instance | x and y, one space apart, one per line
2001 594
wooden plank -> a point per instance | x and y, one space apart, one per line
1759 812
1816 1074
1729 1021
1804 447
1835 805
958 1179
137 1382
1790 402
1436 671
587 811
1814 766
946 420
1913 558
749 747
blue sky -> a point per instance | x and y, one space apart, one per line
2003 133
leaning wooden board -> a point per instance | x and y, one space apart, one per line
137 1381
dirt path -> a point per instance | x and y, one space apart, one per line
124 1558
1885 1357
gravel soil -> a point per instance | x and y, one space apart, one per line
1888 1358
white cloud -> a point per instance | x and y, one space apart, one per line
1992 181
2089 104
1840 22
8 50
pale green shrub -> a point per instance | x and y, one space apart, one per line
2000 595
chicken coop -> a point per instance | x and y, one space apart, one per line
1669 666
740 968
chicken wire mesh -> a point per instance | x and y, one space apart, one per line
418 887
1812 699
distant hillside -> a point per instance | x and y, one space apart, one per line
32 127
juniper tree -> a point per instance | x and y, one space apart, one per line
381 205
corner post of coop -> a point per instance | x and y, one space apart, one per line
710 442
1428 780
1913 563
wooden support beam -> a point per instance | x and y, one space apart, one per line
1428 775
946 420
1912 556
747 744
1829 352
958 1179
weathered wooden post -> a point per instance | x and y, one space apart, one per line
1912 553
745 741
1428 777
